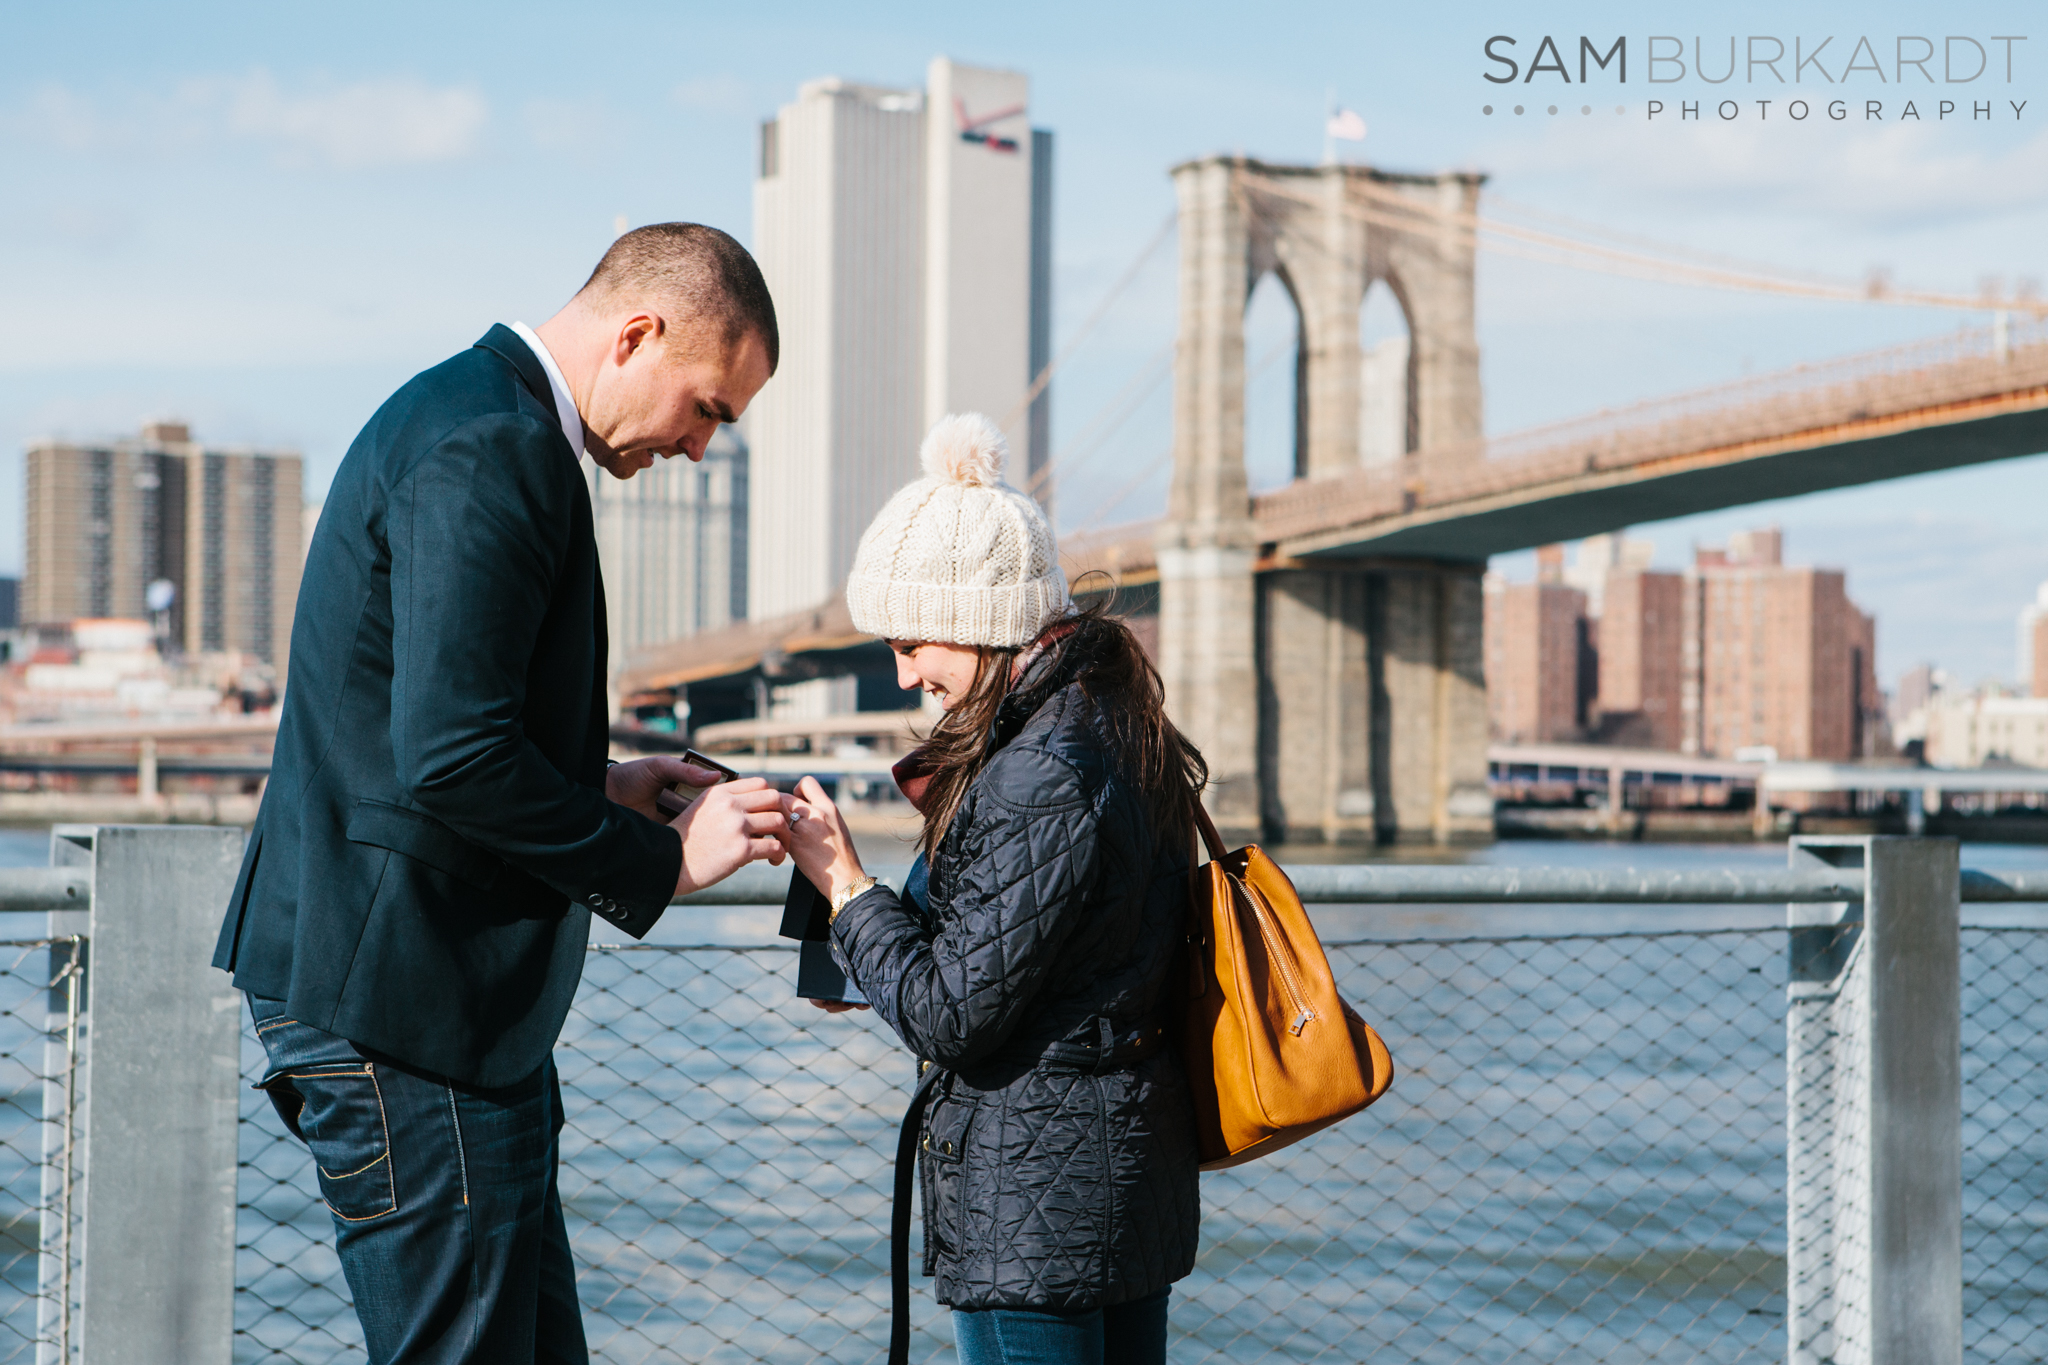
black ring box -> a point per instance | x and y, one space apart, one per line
807 918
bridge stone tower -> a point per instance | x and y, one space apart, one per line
1336 698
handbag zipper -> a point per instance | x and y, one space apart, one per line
1282 960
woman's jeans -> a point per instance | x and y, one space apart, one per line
446 1214
1128 1334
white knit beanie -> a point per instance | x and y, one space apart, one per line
958 556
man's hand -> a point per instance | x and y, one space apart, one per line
728 827
836 1006
636 784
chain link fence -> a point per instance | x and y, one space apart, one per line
1582 1159
2005 1145
42 1086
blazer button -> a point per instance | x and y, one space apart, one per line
594 899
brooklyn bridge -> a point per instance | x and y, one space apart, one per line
1322 642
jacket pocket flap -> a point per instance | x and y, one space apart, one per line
423 838
945 1128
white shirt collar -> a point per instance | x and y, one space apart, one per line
565 405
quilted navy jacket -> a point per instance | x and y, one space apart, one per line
1052 1179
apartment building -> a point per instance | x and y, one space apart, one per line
222 528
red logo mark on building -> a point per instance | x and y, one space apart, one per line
976 129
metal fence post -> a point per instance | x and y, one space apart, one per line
1874 1110
159 1144
60 1238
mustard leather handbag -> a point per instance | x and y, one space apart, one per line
1272 1052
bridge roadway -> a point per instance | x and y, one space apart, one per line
1965 398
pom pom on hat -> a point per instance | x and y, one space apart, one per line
965 448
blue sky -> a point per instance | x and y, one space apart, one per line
262 218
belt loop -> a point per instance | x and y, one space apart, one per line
1106 1048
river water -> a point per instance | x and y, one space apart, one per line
1582 1157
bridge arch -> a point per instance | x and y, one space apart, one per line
1333 232
1275 397
1333 700
1386 377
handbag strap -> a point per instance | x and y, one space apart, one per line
899 1218
1208 831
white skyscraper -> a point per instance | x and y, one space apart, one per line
903 234
672 544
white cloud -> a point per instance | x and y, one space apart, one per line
393 121
1898 175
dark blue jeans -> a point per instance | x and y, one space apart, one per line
446 1214
1128 1334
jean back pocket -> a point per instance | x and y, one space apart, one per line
342 1118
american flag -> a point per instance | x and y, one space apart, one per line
1346 124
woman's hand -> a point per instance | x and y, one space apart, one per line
818 839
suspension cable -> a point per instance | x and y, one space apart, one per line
1102 308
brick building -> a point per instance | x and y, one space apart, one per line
1535 637
1773 655
224 528
1740 652
1642 648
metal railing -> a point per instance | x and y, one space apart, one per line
1929 379
1442 884
1613 1136
1972 365
1584 1156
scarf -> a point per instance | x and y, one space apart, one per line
913 772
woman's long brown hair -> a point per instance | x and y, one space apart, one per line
1119 681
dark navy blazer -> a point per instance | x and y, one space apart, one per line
435 833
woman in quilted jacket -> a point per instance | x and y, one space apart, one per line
1027 962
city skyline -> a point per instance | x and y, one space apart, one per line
197 172
1737 655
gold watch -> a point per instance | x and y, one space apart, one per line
844 896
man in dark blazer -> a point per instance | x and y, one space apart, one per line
440 822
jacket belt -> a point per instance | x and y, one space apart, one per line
1110 1051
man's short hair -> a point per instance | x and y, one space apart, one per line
697 269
